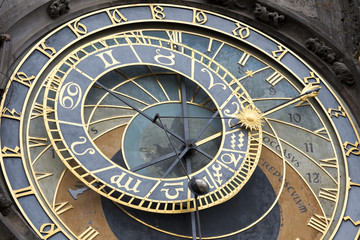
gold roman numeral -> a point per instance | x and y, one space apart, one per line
13 114
89 234
328 193
60 208
10 152
244 59
329 162
318 222
26 191
37 142
38 110
40 176
274 78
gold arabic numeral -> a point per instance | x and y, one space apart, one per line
280 53
22 78
37 142
336 112
13 114
47 51
89 234
174 36
352 148
22 192
38 110
319 223
49 229
107 63
157 12
329 162
60 208
241 31
199 16
172 190
40 176
78 28
243 59
274 78
115 16
10 152
328 193
117 179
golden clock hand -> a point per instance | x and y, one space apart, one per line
309 91
251 118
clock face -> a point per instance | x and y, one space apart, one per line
117 110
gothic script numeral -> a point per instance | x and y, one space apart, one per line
23 192
199 16
280 53
78 28
115 16
336 112
157 12
241 31
22 78
9 152
49 229
13 114
352 148
47 51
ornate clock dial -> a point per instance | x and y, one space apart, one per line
114 114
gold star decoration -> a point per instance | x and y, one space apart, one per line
249 73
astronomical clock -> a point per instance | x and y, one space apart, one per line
162 121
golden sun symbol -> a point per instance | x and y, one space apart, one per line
250 117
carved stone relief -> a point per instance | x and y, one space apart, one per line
273 18
58 8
